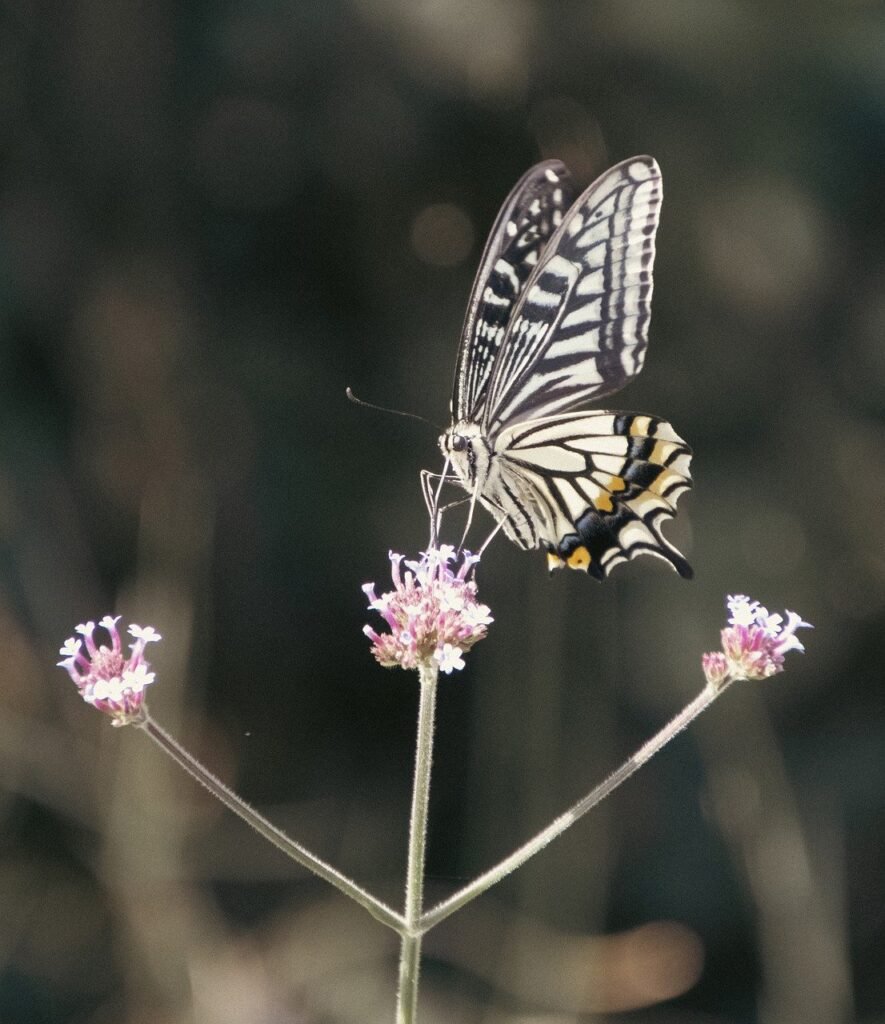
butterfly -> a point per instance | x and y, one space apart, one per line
559 315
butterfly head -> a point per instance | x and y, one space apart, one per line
468 451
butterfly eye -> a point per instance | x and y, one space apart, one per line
459 443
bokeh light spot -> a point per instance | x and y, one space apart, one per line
442 235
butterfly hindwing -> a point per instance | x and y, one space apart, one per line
531 214
593 488
579 330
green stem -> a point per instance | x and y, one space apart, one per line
192 766
485 881
410 951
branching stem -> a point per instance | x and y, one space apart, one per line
516 859
296 851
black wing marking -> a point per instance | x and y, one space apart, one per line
530 215
580 328
594 488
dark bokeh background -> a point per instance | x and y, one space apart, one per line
214 217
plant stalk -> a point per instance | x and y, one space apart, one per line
380 911
516 859
410 951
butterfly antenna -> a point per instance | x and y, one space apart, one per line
393 412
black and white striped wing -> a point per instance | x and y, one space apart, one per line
593 488
531 214
580 328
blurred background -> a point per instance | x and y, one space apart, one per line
213 218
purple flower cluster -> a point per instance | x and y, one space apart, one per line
105 679
753 644
432 611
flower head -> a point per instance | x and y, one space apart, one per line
432 611
105 678
753 643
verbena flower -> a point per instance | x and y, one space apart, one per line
432 611
753 643
105 678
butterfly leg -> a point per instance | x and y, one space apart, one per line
431 495
469 522
453 504
490 537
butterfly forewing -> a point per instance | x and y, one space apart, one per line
580 326
532 213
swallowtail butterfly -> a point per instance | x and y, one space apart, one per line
559 315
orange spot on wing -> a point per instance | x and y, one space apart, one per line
579 558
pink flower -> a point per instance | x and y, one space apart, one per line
753 644
432 611
105 679
715 668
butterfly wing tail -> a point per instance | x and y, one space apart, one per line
637 496
604 540
602 484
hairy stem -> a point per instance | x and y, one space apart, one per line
516 859
192 766
410 951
